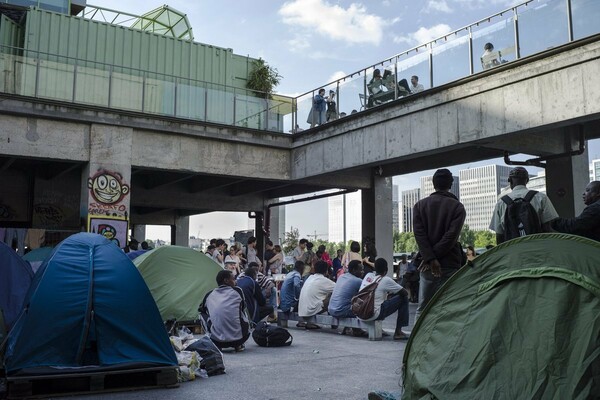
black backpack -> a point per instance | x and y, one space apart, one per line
267 335
520 218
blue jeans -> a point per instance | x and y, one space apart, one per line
398 302
272 298
429 285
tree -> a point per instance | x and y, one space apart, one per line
263 77
467 236
290 241
484 238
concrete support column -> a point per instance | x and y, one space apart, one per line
180 232
566 179
259 234
106 183
274 225
377 218
139 232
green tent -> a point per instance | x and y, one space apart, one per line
521 322
178 278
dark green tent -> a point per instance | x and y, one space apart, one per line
521 322
178 278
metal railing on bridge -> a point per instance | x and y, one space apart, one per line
519 31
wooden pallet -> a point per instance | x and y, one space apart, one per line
91 382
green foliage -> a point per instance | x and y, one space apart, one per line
404 242
263 77
484 238
467 236
290 241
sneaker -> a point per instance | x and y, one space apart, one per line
272 319
240 348
301 324
312 326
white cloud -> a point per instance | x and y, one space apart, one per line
437 5
337 75
299 44
424 35
352 25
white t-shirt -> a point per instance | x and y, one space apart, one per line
313 293
386 286
215 257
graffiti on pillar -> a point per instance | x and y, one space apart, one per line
107 192
6 212
114 229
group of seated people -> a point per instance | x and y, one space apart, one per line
317 293
230 309
383 88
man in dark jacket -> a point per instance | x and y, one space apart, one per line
437 222
587 224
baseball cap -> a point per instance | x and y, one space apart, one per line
229 260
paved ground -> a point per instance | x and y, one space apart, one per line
319 365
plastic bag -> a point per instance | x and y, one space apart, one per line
177 343
211 358
185 334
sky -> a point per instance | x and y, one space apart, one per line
311 43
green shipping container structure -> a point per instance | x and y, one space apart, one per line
104 43
85 61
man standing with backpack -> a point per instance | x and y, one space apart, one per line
521 212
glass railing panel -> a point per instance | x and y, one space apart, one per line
91 84
55 80
191 99
415 63
304 104
159 94
351 96
451 58
542 25
9 64
586 17
220 104
250 109
279 113
499 32
126 90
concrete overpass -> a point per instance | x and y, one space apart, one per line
53 155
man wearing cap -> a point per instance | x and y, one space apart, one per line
437 222
518 178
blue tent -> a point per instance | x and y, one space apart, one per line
88 309
15 279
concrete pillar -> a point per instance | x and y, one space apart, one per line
139 232
566 179
259 234
180 232
274 225
106 183
377 218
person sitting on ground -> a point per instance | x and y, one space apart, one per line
224 309
133 244
587 224
315 294
255 300
346 287
145 245
385 306
290 288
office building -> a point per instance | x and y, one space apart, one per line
595 170
479 190
427 186
353 214
408 200
395 209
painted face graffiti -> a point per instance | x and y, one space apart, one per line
109 232
107 187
